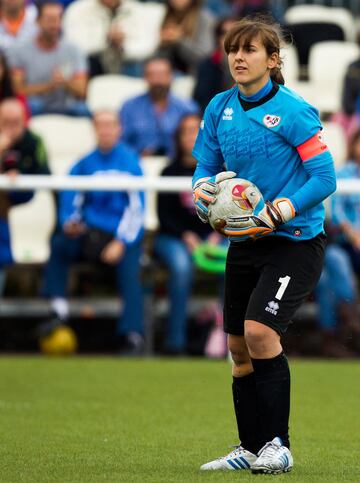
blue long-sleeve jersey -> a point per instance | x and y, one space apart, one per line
272 139
120 213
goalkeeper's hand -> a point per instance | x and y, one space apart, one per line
205 191
266 217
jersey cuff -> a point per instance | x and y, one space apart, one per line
295 206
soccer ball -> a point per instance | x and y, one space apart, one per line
236 197
61 341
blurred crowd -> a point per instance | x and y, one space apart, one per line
51 51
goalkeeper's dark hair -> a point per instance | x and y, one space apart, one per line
246 29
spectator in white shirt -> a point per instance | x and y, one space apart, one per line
50 71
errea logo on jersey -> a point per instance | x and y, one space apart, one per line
271 120
272 307
228 114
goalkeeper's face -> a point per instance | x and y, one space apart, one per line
250 65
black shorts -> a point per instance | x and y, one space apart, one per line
267 280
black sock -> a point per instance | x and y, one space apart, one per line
273 395
245 404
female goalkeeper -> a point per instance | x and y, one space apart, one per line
264 132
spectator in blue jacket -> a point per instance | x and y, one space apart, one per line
102 226
337 299
21 151
346 208
150 120
346 222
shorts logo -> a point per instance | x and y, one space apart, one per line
271 120
297 232
202 124
272 307
228 114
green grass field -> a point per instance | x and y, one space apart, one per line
156 420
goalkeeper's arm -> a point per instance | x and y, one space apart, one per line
266 218
320 185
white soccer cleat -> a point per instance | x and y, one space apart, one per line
238 459
273 458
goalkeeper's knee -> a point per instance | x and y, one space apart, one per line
240 356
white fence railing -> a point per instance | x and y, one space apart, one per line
32 223
122 183
95 183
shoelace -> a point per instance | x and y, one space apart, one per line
269 450
235 452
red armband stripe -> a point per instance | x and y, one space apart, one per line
312 147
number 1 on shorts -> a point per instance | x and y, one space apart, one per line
284 282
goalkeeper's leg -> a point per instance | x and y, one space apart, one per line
245 405
290 271
244 394
272 379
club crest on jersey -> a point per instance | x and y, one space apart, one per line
228 114
271 120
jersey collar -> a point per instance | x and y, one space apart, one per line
247 105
